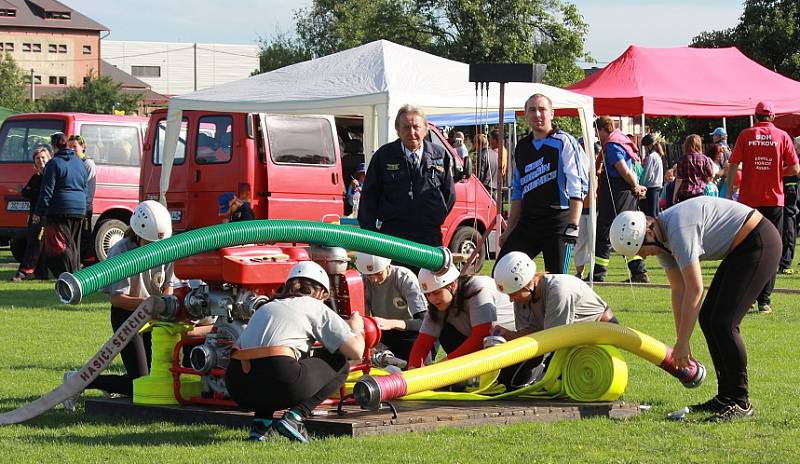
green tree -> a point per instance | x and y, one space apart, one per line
768 32
100 95
14 93
278 51
471 31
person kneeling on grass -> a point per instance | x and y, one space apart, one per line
460 314
542 301
708 229
270 366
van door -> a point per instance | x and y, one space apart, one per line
303 168
217 166
151 171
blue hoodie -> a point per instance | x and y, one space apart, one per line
64 189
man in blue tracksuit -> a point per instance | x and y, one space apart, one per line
408 190
550 179
63 202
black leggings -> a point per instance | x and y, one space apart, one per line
131 358
738 280
281 382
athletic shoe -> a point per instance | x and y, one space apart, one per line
786 271
764 308
713 405
597 278
19 277
291 426
71 402
261 429
732 411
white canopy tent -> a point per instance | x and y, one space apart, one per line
372 81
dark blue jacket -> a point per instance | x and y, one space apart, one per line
407 203
63 191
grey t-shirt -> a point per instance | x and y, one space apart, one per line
487 304
701 228
144 284
565 299
296 323
397 297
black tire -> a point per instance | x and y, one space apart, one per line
17 245
107 233
464 241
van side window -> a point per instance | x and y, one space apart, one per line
19 137
214 140
158 143
114 145
301 140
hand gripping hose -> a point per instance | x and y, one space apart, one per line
369 391
71 288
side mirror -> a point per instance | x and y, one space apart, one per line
466 171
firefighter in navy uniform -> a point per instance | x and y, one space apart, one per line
408 190
550 179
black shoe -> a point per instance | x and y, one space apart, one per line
261 429
291 426
639 278
713 405
732 411
764 308
598 278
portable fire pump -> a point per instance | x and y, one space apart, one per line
235 282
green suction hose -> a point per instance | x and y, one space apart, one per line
72 287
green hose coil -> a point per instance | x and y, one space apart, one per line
72 287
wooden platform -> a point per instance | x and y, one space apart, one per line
412 415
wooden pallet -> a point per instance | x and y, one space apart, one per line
413 416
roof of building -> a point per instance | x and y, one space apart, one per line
49 14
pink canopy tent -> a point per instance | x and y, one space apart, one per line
685 81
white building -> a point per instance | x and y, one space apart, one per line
178 68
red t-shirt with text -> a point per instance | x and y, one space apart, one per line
764 151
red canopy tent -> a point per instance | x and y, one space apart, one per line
684 81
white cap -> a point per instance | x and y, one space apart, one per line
370 264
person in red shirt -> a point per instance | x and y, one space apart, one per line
767 155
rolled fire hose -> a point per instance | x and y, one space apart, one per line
370 391
71 288
585 373
99 362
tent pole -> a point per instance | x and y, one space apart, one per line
751 120
725 123
642 131
499 191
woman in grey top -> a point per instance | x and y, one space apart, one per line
393 298
461 313
270 367
652 174
700 229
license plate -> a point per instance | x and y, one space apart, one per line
19 205
176 215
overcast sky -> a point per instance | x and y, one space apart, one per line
613 24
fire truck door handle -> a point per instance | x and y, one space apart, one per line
334 178
197 175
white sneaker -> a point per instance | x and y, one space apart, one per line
71 402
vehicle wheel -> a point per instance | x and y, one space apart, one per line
108 233
464 241
17 245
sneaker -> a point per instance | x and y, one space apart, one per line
786 271
732 411
597 278
261 429
713 405
764 308
291 426
19 277
71 402
640 278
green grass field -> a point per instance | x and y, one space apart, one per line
40 339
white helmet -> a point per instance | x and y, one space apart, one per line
311 270
513 271
627 232
371 264
151 221
430 282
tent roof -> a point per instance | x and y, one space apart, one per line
371 74
685 81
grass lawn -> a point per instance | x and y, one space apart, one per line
40 339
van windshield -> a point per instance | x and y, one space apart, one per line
19 137
110 144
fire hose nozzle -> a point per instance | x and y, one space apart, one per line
69 289
448 261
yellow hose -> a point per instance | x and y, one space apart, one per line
370 391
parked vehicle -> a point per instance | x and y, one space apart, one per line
113 142
291 164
